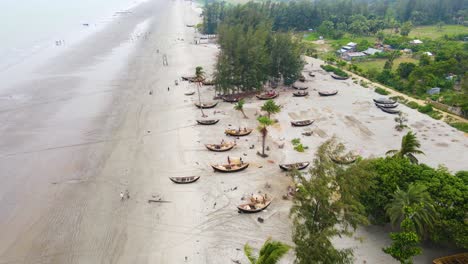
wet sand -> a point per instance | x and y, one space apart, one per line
83 128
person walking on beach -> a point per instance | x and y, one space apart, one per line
168 88
121 196
127 194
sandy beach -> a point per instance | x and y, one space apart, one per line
99 119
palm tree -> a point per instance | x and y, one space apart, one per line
239 106
199 77
415 204
409 147
270 253
264 123
271 107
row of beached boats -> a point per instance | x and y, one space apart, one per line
387 105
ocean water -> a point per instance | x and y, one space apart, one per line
28 27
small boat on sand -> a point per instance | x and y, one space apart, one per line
184 180
190 93
238 132
297 166
328 93
207 122
302 123
220 147
267 95
189 78
235 165
453 259
390 110
343 160
336 77
300 86
206 105
386 105
231 99
384 101
256 204
300 93
311 74
208 82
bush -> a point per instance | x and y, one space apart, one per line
413 105
435 114
462 126
381 91
425 109
335 70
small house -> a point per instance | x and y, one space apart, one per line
435 90
372 51
353 55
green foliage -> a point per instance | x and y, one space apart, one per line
425 109
413 105
409 147
270 253
406 28
298 145
325 206
401 120
271 107
239 106
296 141
335 70
462 126
264 123
405 244
381 91
405 69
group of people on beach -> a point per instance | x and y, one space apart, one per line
124 195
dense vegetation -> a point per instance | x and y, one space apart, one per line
251 53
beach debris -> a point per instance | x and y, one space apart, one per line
271 161
260 220
268 148
252 147
307 134
280 146
150 92
235 260
149 131
267 185
214 205
165 63
245 154
158 201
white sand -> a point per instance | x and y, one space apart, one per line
83 128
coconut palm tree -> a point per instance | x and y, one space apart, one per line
239 106
271 107
415 204
264 123
409 147
270 253
199 77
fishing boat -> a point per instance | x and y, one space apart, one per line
302 123
208 82
384 101
300 93
300 86
207 122
238 132
231 99
257 203
453 259
311 74
328 93
206 105
297 166
390 110
336 77
184 180
190 93
267 95
220 147
386 105
233 167
343 160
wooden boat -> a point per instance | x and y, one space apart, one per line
302 122
384 101
390 110
237 132
206 105
254 207
231 99
190 93
328 93
336 77
267 95
343 160
208 82
207 122
300 93
184 180
189 78
220 147
453 259
311 74
299 86
230 167
386 105
297 166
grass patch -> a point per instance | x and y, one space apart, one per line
378 64
381 91
413 105
462 126
335 70
298 145
433 32
311 36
